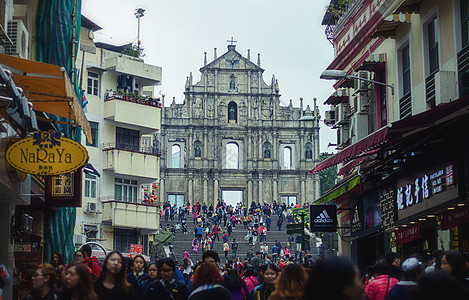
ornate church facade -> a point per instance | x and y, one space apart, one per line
231 135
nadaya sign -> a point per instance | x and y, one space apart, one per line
46 153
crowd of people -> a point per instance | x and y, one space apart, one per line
211 223
332 277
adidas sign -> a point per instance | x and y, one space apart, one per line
323 217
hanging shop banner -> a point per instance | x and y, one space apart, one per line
46 153
408 234
425 189
64 190
455 218
323 218
135 250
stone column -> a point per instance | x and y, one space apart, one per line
204 155
215 192
249 192
302 150
205 190
161 187
261 198
274 152
216 81
189 100
190 193
260 154
302 191
275 189
189 147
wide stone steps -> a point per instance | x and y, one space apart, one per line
183 242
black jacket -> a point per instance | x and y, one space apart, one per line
176 290
115 294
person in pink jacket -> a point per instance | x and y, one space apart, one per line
250 280
379 288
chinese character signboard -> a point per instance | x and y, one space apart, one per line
64 190
46 153
408 234
323 218
455 218
425 189
135 250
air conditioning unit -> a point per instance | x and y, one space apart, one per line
80 239
330 117
360 103
342 113
445 87
343 136
358 127
361 84
91 207
19 35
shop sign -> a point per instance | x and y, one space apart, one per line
323 218
135 250
424 187
46 153
455 218
64 190
356 223
408 234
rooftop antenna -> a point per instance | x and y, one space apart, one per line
138 14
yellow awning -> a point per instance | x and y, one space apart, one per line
49 88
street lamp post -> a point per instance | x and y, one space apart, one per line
138 14
340 75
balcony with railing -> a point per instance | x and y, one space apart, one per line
131 160
138 214
405 105
430 89
463 71
140 111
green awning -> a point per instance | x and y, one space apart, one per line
163 237
340 190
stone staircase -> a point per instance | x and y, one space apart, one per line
183 241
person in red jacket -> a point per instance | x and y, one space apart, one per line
381 286
91 261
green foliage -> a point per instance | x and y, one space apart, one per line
338 9
133 50
327 177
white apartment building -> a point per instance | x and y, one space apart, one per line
118 208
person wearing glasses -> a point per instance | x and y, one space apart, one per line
44 279
167 287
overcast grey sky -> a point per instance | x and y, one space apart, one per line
176 33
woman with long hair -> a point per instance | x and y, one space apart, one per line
263 291
237 286
77 284
291 283
334 278
57 262
112 283
138 278
207 283
453 262
44 279
167 287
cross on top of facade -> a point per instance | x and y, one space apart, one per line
231 41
